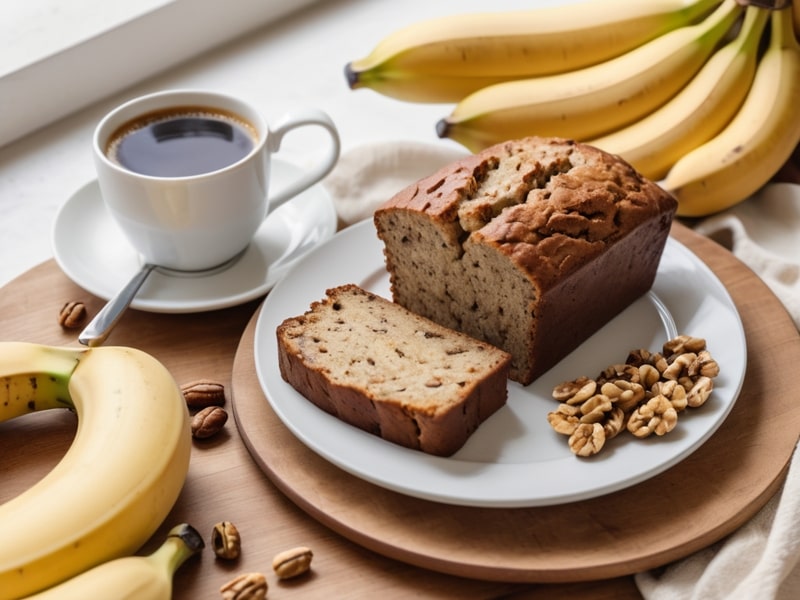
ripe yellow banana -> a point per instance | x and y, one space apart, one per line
445 59
760 138
590 102
121 475
698 112
132 577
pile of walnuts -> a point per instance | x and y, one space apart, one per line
644 395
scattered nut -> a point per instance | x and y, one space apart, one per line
72 315
648 375
614 422
588 439
291 563
640 357
679 366
657 416
683 344
625 394
621 372
704 365
564 419
699 392
226 541
595 408
208 422
575 392
673 391
202 393
247 586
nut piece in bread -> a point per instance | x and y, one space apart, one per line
531 245
377 366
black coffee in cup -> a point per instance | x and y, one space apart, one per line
181 142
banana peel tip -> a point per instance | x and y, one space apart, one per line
442 128
351 75
190 536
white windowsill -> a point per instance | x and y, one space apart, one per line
57 57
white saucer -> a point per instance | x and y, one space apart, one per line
92 251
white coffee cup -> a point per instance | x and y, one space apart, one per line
190 220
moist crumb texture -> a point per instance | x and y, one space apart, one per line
379 367
531 245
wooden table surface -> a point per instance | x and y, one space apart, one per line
225 483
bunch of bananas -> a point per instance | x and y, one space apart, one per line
120 477
699 95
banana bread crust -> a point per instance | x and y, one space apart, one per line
531 245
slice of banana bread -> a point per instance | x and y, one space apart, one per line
531 245
377 366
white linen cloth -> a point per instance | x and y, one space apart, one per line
760 560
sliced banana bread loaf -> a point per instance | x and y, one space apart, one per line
373 364
531 245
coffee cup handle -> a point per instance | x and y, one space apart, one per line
292 120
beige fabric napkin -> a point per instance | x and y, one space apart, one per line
764 233
368 175
760 560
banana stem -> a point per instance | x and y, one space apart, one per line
182 542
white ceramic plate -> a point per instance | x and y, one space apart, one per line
514 459
92 251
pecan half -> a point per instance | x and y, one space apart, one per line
202 393
291 563
72 315
247 586
208 422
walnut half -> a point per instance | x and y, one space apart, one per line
657 416
226 541
587 439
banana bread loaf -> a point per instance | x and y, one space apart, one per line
531 245
377 366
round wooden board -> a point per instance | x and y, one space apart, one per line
690 506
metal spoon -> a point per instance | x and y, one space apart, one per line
96 332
